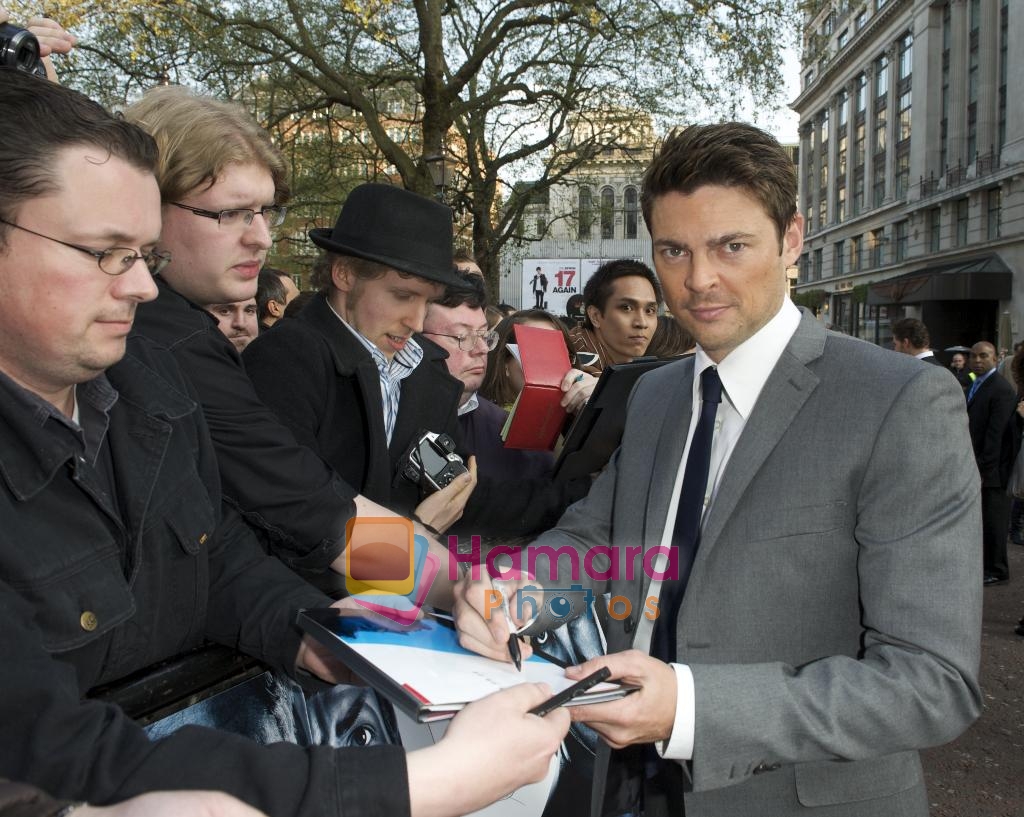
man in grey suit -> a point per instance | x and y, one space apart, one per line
830 623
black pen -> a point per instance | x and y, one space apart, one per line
566 695
513 639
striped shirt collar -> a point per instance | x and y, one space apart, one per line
392 372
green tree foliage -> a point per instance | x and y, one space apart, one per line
504 89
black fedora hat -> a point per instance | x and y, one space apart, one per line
395 227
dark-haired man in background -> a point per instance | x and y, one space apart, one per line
620 303
275 289
910 337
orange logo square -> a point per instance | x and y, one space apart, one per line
379 555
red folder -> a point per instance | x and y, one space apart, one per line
537 417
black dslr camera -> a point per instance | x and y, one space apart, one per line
19 48
432 462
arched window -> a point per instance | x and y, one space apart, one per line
631 212
607 213
586 212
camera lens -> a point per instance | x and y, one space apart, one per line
18 48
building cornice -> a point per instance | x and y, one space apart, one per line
853 51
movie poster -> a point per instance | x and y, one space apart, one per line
548 283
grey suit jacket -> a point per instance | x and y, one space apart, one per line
832 619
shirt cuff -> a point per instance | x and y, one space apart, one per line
679 746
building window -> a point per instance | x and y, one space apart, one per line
878 189
906 55
843 38
934 223
632 219
804 269
542 226
877 248
586 213
841 204
607 213
858 191
903 117
902 174
962 212
881 77
901 229
855 250
816 269
993 212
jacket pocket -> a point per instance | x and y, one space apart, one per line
829 782
80 602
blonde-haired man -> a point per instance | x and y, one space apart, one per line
223 187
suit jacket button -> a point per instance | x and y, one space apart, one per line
89 621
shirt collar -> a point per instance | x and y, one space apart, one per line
90 418
408 358
472 404
745 370
981 378
924 354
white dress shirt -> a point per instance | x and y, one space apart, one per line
743 373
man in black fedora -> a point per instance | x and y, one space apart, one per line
356 381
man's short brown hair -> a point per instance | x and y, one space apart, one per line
913 330
732 154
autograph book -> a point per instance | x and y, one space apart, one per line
422 669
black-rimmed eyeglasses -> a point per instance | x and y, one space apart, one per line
469 341
240 217
113 260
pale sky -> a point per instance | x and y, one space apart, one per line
784 124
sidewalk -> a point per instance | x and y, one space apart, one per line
981 774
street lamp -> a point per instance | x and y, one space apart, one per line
440 174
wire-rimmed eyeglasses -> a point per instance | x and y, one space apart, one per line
468 341
239 217
113 260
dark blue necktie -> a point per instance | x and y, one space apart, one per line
686 533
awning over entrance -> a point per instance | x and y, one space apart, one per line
985 278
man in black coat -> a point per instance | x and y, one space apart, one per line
355 380
991 401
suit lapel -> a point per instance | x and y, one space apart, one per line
787 389
668 453
352 360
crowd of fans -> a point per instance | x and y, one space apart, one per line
279 417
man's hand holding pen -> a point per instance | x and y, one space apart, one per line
488 614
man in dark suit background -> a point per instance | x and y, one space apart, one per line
990 404
910 336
